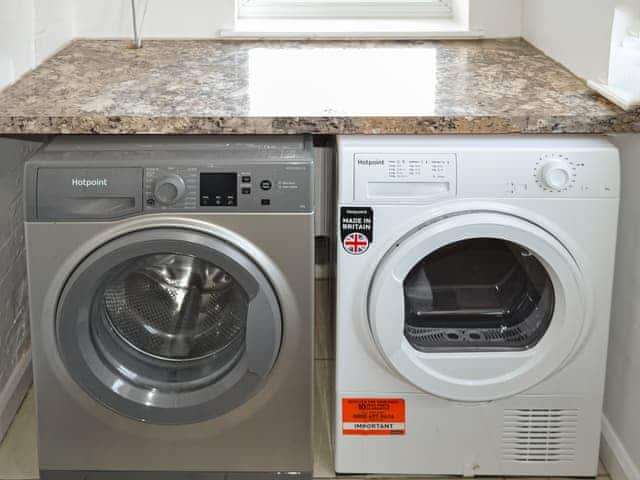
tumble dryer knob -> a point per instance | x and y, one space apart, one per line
169 190
556 175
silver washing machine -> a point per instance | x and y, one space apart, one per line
171 286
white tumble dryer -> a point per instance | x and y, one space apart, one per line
473 296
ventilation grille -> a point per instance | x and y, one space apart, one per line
539 435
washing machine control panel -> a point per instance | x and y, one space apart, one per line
251 187
106 179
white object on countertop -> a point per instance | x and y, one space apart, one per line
624 69
7 73
632 40
623 85
614 95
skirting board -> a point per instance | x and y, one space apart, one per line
14 392
615 456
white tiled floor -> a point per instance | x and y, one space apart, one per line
18 454
18 451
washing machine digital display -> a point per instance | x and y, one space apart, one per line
219 189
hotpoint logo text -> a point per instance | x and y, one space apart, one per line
89 182
370 163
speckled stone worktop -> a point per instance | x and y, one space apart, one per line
206 86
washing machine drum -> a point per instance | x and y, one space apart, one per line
169 326
176 307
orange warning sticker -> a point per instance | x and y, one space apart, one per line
373 416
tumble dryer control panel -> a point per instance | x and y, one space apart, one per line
556 174
410 177
426 169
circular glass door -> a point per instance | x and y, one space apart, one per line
477 306
169 326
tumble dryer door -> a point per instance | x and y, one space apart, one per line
169 326
477 306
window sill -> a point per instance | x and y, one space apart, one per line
339 29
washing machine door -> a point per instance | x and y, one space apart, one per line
477 306
169 326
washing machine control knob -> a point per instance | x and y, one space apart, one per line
556 175
169 189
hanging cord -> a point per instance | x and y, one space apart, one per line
137 29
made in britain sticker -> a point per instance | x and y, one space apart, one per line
373 416
356 229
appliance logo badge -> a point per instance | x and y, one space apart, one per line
89 182
366 162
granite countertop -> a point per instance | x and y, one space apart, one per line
386 87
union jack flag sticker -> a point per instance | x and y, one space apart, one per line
356 243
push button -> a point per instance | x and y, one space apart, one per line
266 201
246 191
266 185
246 179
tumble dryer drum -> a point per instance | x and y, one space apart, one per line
169 326
480 294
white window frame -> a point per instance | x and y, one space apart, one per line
344 9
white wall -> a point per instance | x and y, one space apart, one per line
30 31
498 18
17 49
577 34
204 18
15 360
165 18
622 399
574 32
54 26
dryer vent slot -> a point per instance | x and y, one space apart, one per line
539 435
427 339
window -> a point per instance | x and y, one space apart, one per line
362 19
344 9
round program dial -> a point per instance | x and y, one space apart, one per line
169 189
555 173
